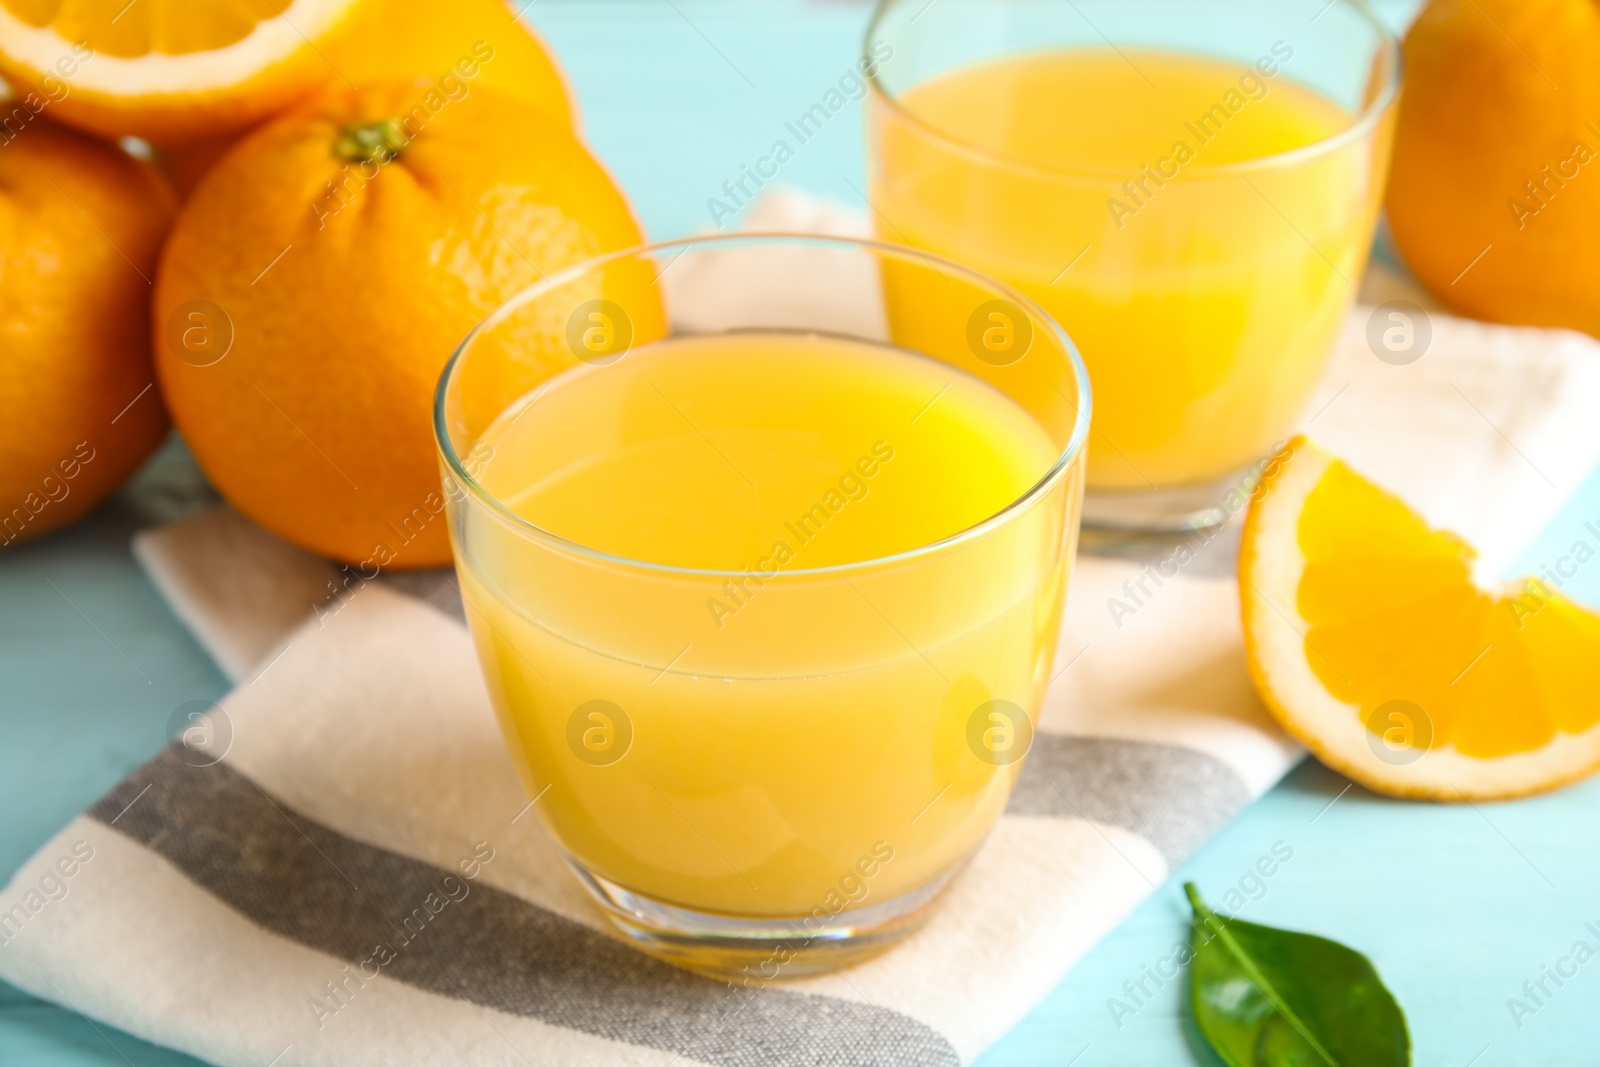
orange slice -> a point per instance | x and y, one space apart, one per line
167 70
1370 642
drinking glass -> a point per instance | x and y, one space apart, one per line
784 791
1203 269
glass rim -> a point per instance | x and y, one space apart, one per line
1069 454
1366 119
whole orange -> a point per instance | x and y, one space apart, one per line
320 276
482 43
1494 192
81 225
476 42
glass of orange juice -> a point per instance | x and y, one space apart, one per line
1191 186
766 603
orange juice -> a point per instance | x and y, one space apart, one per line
717 695
1196 225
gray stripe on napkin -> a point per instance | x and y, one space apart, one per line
311 884
1174 797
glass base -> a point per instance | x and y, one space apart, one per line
1189 507
757 950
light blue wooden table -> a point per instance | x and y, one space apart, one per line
1457 905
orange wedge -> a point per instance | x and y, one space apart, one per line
168 70
1370 642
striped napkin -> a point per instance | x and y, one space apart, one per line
337 865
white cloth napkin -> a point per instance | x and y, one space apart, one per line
343 868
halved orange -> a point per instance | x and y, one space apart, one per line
168 70
1370 641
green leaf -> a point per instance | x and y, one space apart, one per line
1274 998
